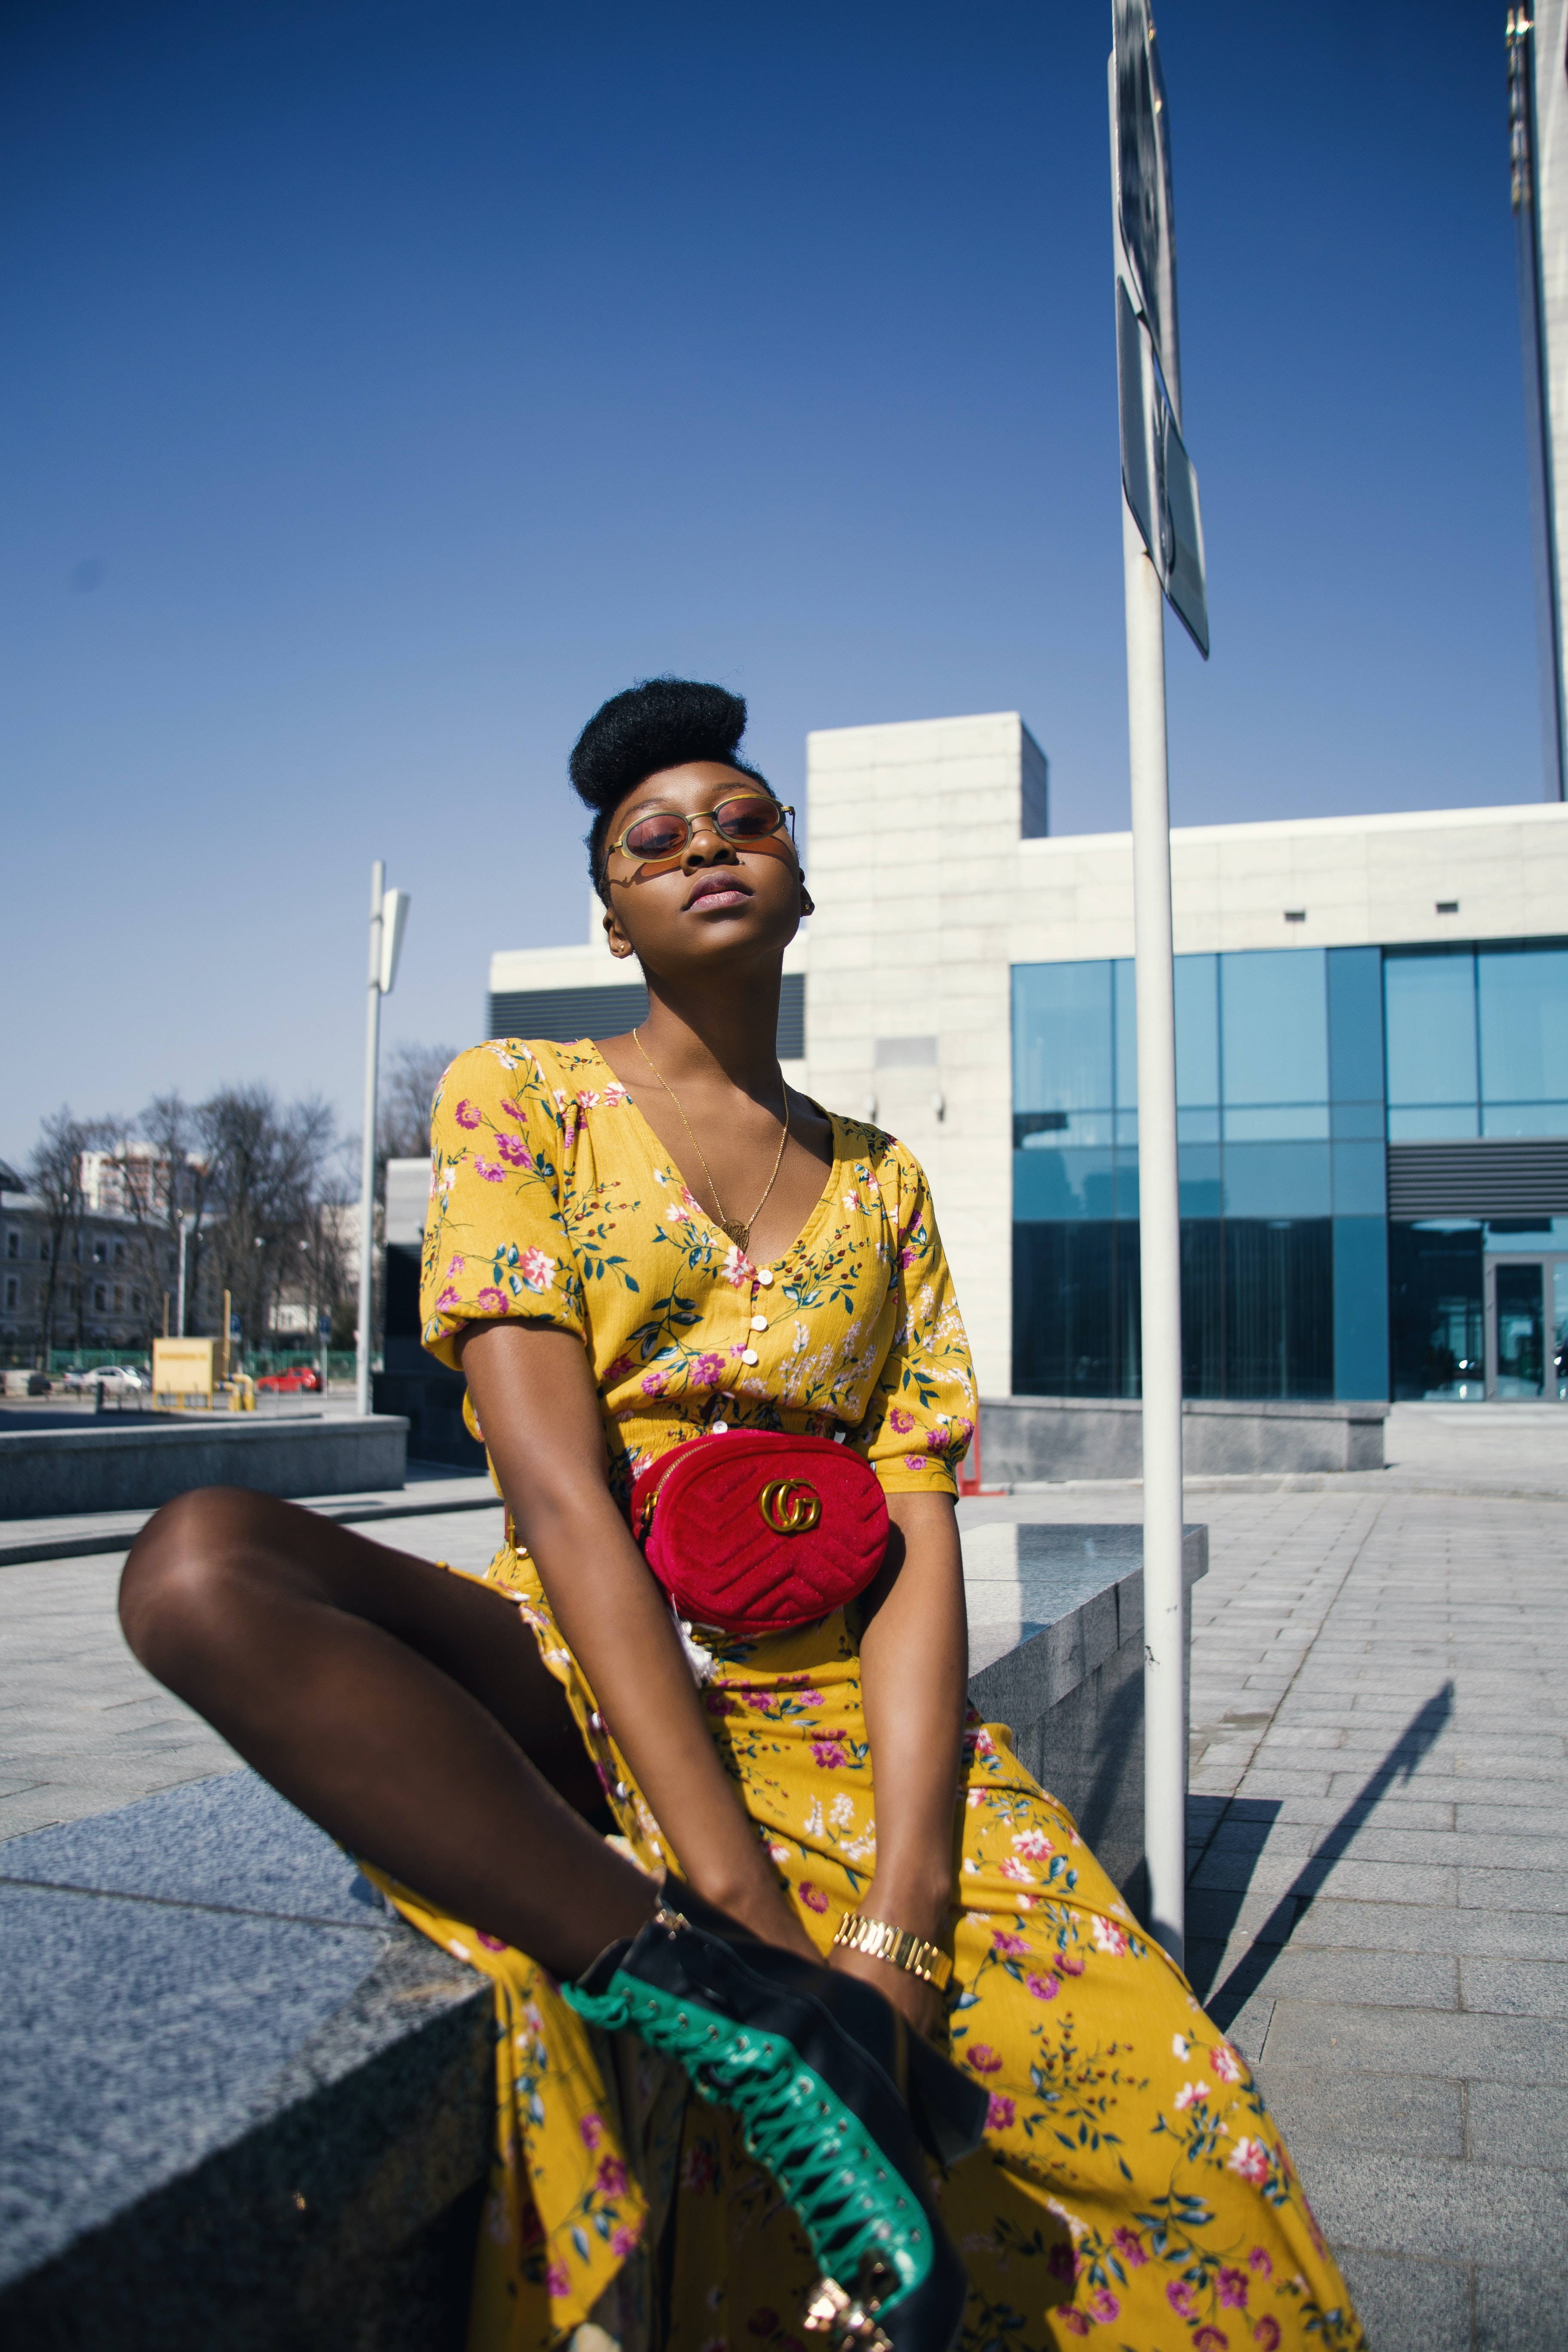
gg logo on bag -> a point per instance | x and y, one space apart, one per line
789 1505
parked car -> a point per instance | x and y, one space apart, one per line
117 1380
289 1383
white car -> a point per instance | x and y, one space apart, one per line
116 1379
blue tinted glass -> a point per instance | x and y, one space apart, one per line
1125 986
1361 1307
1357 1118
1274 1024
1198 1181
1276 1180
1051 1185
1197 1029
1451 1123
1524 1024
1525 1119
1355 1025
1197 1126
1061 1036
1279 1123
1430 1007
1361 1181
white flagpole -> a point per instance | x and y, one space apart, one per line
367 1149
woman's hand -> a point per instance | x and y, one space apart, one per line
535 1394
920 2003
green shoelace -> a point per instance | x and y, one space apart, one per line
851 2202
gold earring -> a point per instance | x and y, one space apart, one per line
807 903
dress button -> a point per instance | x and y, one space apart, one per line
621 1790
598 1720
747 1355
765 1275
759 1322
720 1429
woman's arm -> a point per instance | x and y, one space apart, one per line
914 1664
535 1394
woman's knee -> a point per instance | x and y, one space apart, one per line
172 1589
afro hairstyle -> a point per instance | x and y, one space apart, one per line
660 722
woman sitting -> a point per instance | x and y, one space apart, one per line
822 1869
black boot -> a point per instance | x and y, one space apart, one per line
835 2096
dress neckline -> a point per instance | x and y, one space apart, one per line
655 1151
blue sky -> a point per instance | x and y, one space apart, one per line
386 385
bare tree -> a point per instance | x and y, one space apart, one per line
403 1124
179 1179
54 1175
266 1165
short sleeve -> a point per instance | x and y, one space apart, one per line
495 1236
921 1417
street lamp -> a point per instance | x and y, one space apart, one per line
388 916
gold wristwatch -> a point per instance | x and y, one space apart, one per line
900 1947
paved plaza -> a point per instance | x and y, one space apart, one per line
1379 1860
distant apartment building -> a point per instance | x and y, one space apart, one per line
1371 1069
107 1282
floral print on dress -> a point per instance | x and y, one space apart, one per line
552 1200
1131 2188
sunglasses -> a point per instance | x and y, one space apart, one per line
660 837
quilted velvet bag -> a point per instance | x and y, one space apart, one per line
753 1532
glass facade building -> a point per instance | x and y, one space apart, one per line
1310 1082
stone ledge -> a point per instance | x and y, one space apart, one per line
238 2093
48 1472
1026 1439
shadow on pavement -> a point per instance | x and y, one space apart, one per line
1245 1978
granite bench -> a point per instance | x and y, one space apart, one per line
242 2104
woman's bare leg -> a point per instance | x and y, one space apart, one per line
404 1709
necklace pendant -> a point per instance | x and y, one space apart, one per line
738 1234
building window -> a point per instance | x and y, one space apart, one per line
44 1250
101 1253
13 1244
13 1291
1281 1138
120 1298
100 1297
1478 1041
119 1253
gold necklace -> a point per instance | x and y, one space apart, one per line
739 1231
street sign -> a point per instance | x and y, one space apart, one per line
1139 130
1157 474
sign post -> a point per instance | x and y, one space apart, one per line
1163 557
388 914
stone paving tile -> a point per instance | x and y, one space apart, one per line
1422 1980
1466 2045
1421 2114
1516 1987
1508 2125
1465 2211
1413 1928
1416 2306
1515 1890
1522 2311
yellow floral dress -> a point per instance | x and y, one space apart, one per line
1131 2188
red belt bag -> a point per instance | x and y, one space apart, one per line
755 1532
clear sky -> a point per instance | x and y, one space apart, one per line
387 384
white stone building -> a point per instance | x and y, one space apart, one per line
966 981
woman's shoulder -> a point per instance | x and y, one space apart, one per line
882 1156
514 1062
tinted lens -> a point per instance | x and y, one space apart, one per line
659 835
747 820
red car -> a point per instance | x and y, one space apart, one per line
302 1375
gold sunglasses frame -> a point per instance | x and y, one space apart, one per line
704 817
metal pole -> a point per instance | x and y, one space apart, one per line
367 1151
180 1308
1159 1240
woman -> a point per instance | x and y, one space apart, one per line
630 1245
